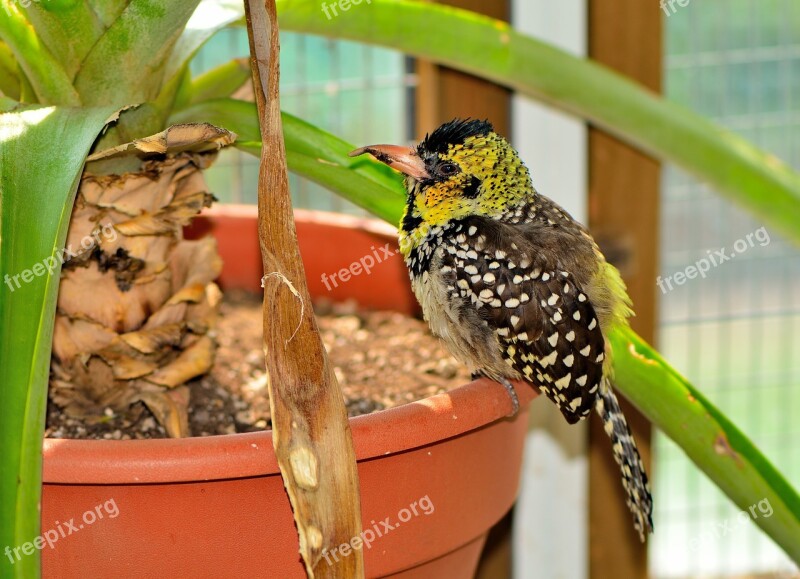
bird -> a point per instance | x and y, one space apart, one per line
514 286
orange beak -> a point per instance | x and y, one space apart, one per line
402 159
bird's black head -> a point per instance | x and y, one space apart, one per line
456 132
462 168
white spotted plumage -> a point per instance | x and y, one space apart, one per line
553 338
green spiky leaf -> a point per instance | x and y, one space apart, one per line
42 151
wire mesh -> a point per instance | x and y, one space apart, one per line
736 331
359 93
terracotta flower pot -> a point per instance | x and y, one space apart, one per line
435 474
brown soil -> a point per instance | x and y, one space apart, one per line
381 359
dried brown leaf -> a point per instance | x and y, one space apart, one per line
169 408
194 137
150 341
192 362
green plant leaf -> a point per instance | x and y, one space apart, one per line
381 201
312 153
235 115
47 77
210 17
7 104
493 50
182 90
706 435
9 82
127 64
220 82
42 151
158 79
300 137
69 31
108 10
61 5
26 92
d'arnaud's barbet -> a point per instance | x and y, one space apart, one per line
515 287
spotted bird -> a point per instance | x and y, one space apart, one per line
516 288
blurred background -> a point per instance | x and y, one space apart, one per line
735 333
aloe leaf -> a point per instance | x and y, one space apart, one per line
706 435
493 50
42 151
220 82
48 78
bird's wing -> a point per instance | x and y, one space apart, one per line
543 320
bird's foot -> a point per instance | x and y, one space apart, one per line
513 394
509 388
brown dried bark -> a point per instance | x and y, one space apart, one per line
311 433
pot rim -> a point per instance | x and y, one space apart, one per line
232 456
312 216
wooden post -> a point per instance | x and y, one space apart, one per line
444 93
625 35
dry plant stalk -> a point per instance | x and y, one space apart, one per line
310 430
137 304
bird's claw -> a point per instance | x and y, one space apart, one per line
509 388
513 394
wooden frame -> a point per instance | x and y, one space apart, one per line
444 93
624 217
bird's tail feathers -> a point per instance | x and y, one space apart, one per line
626 454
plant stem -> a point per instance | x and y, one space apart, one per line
311 432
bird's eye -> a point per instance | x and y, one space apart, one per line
447 169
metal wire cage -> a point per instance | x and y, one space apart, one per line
735 330
358 92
